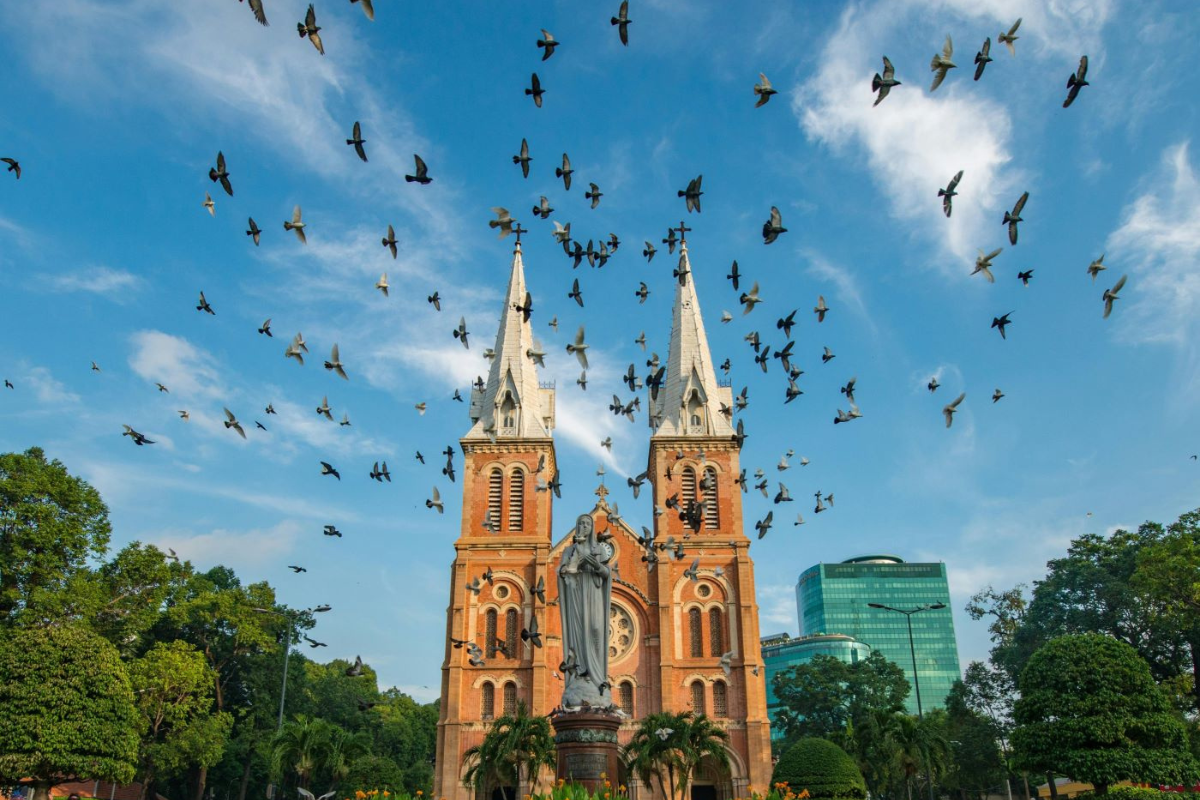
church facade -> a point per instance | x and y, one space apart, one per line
669 630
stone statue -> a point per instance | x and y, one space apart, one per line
584 597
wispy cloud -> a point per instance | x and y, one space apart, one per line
97 280
49 390
245 550
186 370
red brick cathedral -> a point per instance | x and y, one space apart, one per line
669 630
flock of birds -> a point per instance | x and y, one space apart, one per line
597 252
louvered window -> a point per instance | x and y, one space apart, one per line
698 697
687 492
495 498
626 698
516 500
720 704
510 699
716 632
510 632
694 629
487 704
489 632
712 514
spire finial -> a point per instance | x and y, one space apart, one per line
683 229
518 230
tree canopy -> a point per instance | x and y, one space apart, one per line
820 767
824 696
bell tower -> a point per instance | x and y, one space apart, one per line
709 617
503 546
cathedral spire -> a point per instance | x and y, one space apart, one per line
689 399
512 405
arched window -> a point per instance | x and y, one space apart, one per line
625 698
720 704
516 500
508 411
487 703
687 490
495 498
511 632
489 632
694 628
510 699
712 514
695 411
716 632
698 697
695 420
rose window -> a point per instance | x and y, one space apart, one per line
622 633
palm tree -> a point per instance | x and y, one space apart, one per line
685 740
300 746
920 745
340 751
701 739
516 745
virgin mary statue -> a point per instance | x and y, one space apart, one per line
584 594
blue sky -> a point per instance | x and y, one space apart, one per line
116 109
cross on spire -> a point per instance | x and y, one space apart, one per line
518 230
683 229
602 490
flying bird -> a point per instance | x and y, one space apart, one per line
827 356
565 172
883 84
256 7
691 195
622 21
1096 267
503 221
750 299
204 306
948 194
422 176
461 333
983 263
594 195
1025 276
210 205
786 324
543 209
941 64
773 227
335 363
949 410
138 438
1009 39
523 158
933 384
221 174
1076 81
296 569
535 90
1011 218
389 241
254 232
1111 294
435 501
324 409
1001 323
649 252
382 284
14 166
531 634
296 225
996 395
327 469
821 309
230 421
547 43
357 668
579 348
331 530
763 90
983 57
310 29
764 524
356 138
369 10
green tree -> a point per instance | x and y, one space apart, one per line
68 710
1089 708
301 748
668 748
51 523
825 695
820 767
920 746
516 747
372 772
173 686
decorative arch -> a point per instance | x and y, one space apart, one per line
720 699
696 691
487 701
695 632
716 631
510 691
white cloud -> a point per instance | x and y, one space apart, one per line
97 280
777 609
48 388
186 370
243 549
846 288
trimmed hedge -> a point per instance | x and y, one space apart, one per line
824 769
1132 793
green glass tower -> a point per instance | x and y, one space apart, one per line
833 598
781 652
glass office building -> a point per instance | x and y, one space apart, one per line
781 652
833 598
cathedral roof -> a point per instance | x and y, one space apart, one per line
689 401
512 404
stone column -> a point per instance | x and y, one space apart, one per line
588 752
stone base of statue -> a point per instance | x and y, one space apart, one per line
588 752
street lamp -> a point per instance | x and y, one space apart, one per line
908 614
287 652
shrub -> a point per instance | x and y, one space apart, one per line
1131 793
822 768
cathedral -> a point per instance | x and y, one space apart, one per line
669 630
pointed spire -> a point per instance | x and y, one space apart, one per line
689 400
512 405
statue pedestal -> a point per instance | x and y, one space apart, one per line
588 752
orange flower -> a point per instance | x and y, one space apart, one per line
360 794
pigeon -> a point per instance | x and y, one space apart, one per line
949 193
1024 277
547 43
606 443
524 158
296 225
435 300
1111 294
256 7
543 209
827 356
783 495
799 520
327 469
209 204
933 384
162 388
204 306
734 276
884 84
726 316
259 425
948 410
221 174
785 324
503 221
1001 323
565 172
1076 81
138 438
389 241
691 195
324 409
95 367
266 328
420 408
848 389
622 21
692 573
579 348
726 663
983 57
750 299
422 176
531 634
594 195
663 733
764 524
1096 267
296 349
773 227
345 423
941 64
763 90
461 332
335 363
1009 39
1012 218
535 90
368 9
231 422
996 395
297 570
382 284
310 29
536 354
14 167
582 380
820 505
331 530
649 252
821 309
793 391
356 138
525 308
983 263
355 670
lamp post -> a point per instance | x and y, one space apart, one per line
287 653
908 614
